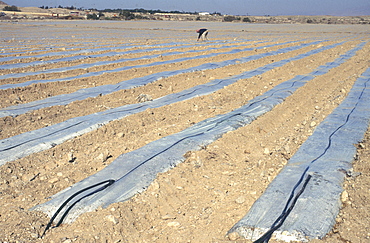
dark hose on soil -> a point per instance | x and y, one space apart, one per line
107 182
266 237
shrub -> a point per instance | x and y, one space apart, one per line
11 8
127 15
229 18
92 16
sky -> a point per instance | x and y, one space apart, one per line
232 7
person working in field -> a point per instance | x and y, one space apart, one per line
202 34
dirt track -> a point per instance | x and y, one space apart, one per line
203 197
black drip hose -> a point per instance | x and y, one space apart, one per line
107 182
280 220
277 224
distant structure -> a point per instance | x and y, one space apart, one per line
122 14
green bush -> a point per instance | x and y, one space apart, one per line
11 8
127 15
229 18
92 16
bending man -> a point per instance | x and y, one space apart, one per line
202 34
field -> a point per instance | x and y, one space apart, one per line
86 101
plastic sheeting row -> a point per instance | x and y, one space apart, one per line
35 141
91 74
134 171
132 83
326 156
78 56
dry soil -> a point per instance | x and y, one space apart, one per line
203 197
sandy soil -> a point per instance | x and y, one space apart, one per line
203 197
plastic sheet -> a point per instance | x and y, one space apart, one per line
78 56
91 74
75 55
35 141
134 171
326 155
136 82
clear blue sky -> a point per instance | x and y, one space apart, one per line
233 7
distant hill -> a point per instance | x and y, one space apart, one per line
2 3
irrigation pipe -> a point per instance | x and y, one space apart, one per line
134 171
136 82
38 140
324 155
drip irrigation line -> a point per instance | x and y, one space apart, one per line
107 182
44 136
112 112
155 155
124 68
79 54
111 181
66 128
327 147
292 199
202 130
286 211
137 82
279 222
118 61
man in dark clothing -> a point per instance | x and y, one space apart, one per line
202 34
